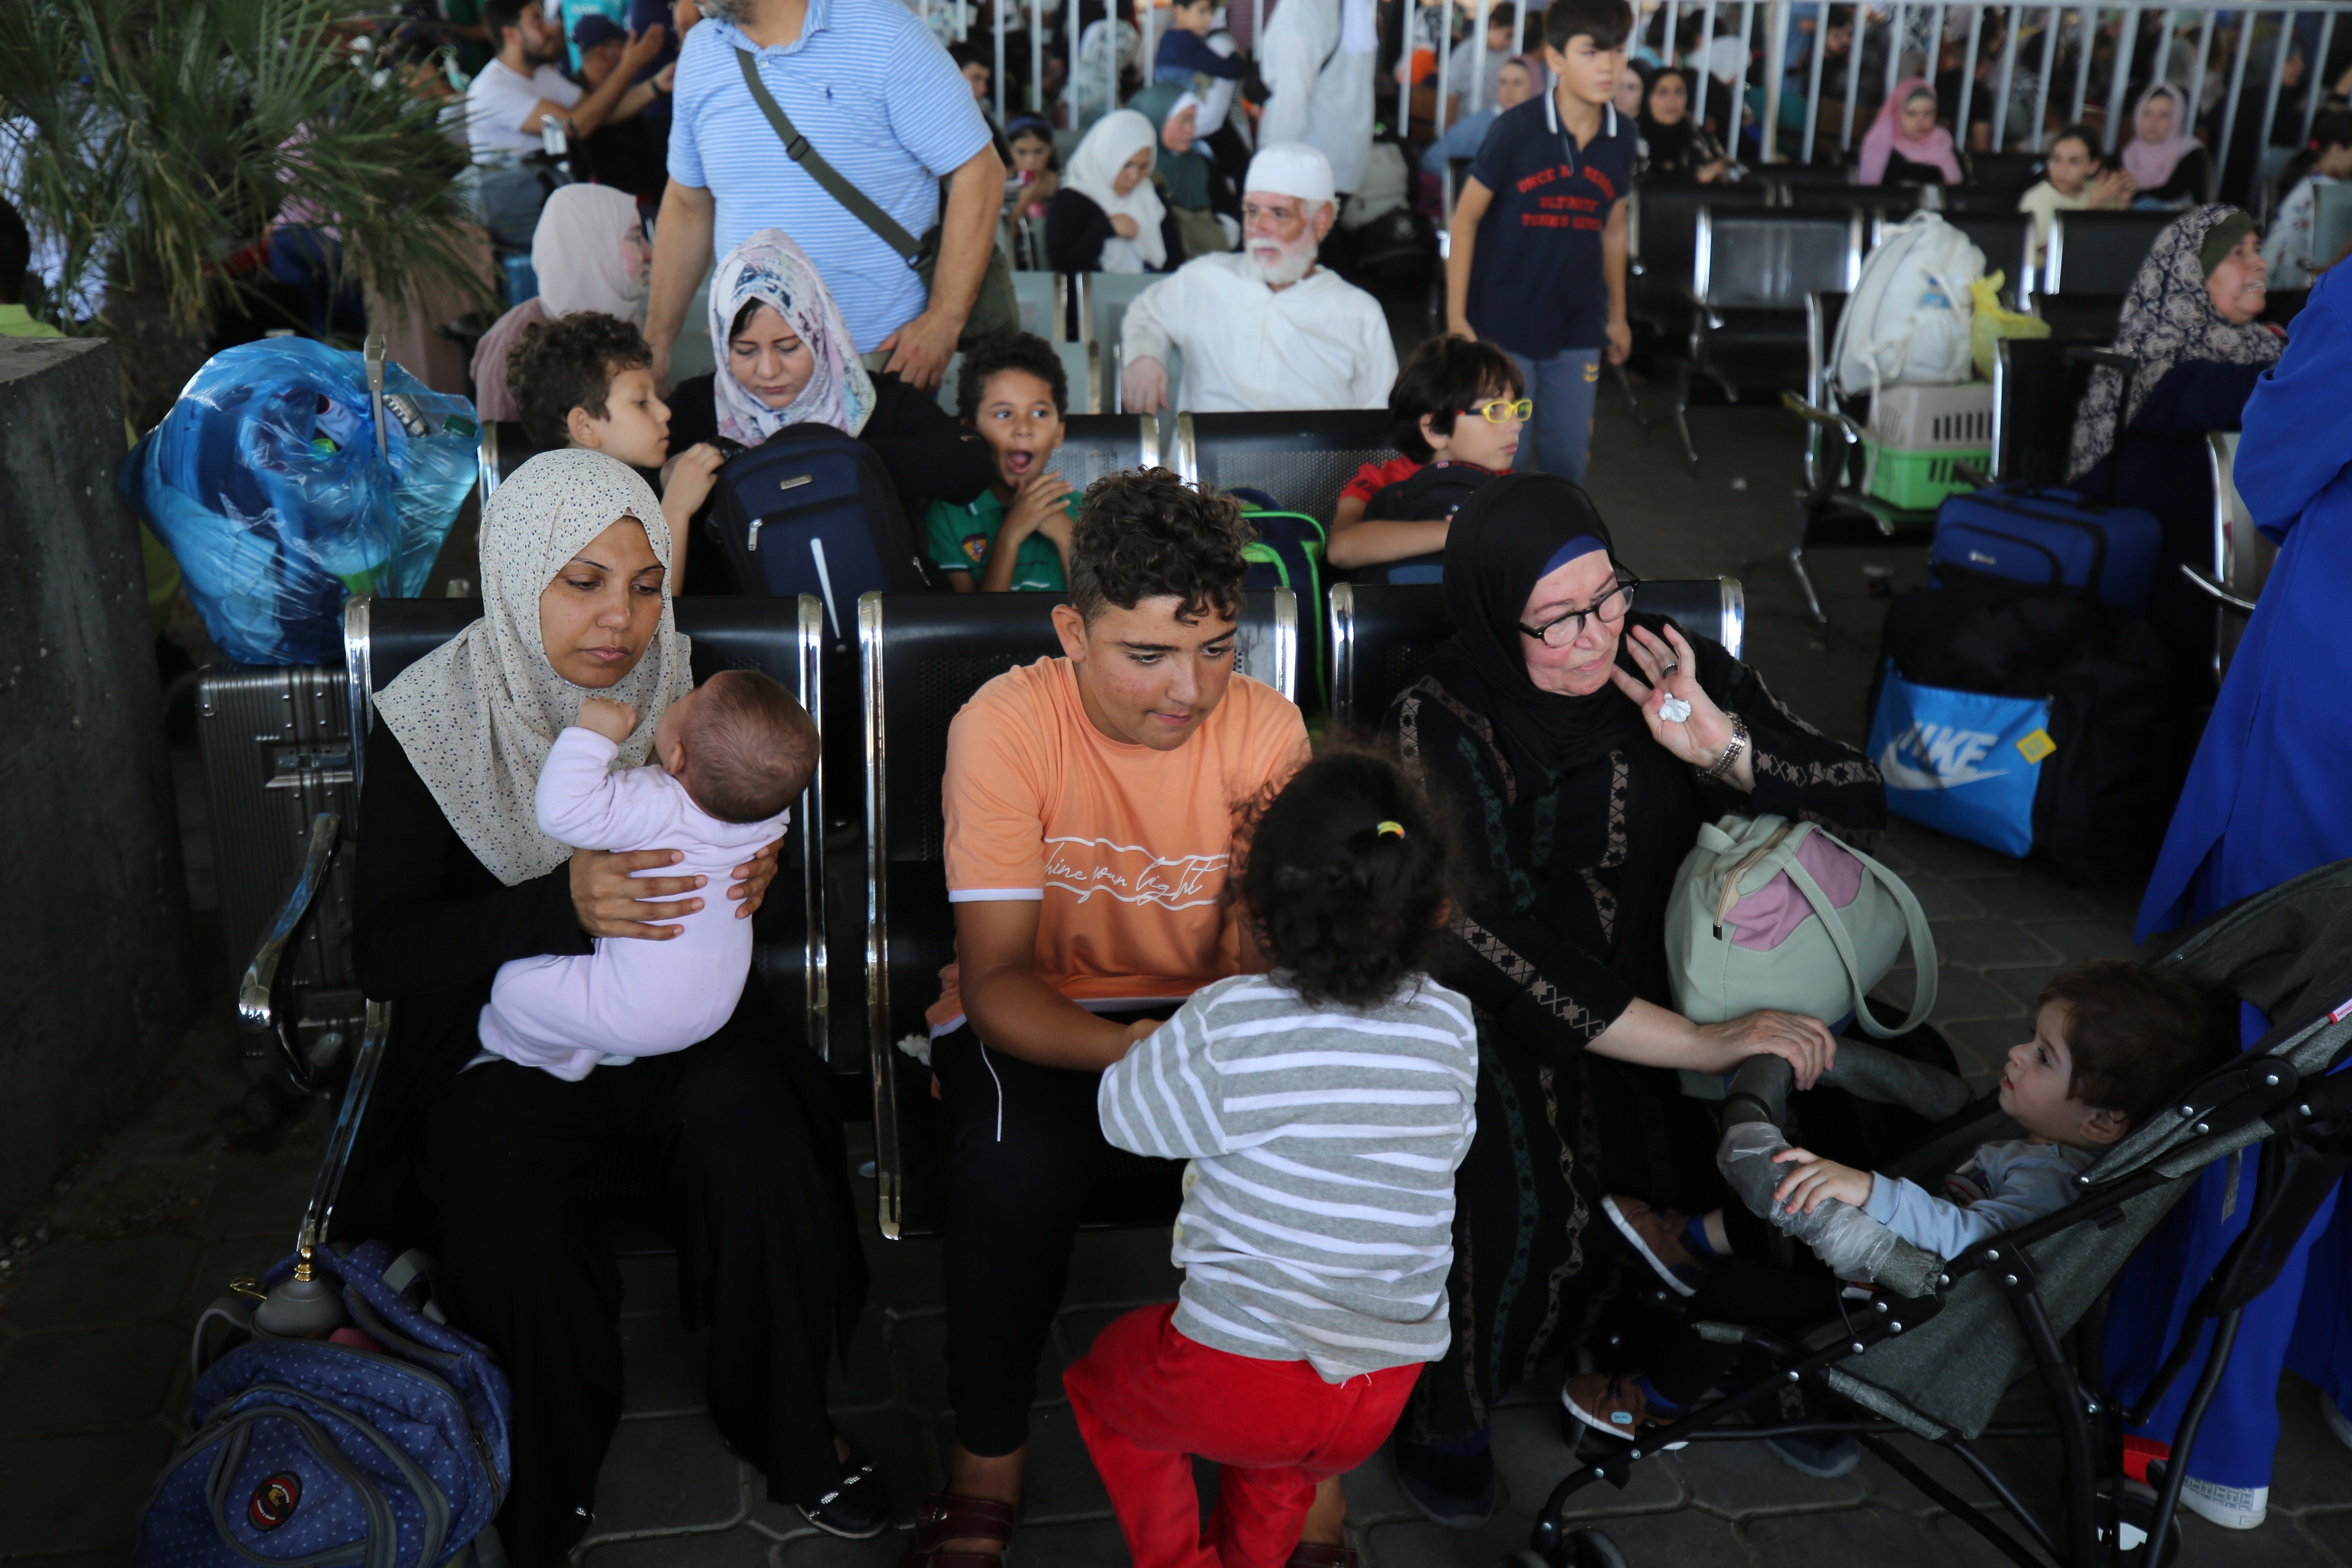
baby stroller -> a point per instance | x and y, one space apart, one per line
1942 1340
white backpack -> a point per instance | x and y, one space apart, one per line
1907 322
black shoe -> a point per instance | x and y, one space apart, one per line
856 1507
1456 1490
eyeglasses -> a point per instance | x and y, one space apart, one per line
1502 410
1609 609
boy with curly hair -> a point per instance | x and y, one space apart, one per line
586 379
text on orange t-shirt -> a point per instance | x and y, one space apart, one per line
1129 848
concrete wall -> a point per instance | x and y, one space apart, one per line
95 975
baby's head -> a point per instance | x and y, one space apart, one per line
2113 1044
739 743
586 379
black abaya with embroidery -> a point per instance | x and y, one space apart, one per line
1574 822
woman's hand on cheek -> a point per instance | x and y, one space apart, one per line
1697 740
609 901
752 879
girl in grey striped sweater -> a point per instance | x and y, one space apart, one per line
1325 1107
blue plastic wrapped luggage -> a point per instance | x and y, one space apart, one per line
2045 537
266 483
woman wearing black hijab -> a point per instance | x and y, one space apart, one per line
1676 150
1581 743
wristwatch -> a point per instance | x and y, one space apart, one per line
1731 749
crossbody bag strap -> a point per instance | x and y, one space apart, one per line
1915 920
796 147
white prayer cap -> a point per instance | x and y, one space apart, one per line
1291 169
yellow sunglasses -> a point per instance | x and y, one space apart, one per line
1502 410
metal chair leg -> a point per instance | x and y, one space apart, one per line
1632 404
1682 413
1793 558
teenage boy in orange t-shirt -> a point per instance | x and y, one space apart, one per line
1093 803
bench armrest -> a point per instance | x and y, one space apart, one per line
257 1004
2213 590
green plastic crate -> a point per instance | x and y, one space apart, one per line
1917 481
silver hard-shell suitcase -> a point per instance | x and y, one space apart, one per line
276 750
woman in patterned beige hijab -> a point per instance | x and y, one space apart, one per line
478 715
498 1165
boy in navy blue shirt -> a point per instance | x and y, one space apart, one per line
1538 258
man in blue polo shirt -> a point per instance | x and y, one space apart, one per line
1538 258
873 91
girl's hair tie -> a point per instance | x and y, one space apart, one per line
1385 829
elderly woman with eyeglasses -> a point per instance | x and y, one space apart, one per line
1580 744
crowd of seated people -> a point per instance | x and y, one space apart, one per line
1564 750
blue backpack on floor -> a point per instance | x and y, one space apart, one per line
313 1450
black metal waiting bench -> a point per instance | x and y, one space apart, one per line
1382 633
381 638
923 657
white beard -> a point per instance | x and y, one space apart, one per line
725 10
1280 268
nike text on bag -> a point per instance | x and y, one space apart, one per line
810 511
1768 913
1907 322
386 1447
1961 762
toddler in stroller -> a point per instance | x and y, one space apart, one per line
2111 1044
1940 1339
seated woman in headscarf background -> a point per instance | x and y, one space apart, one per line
1905 145
2264 802
1676 150
1544 723
2167 162
785 358
590 254
1191 183
1108 216
2189 322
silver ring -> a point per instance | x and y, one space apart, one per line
1671 670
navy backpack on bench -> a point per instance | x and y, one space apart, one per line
390 1451
810 511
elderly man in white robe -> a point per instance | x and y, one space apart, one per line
1264 328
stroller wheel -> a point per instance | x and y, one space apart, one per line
1577 1549
2136 1511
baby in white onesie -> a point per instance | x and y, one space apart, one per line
731 756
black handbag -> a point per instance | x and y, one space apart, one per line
994 308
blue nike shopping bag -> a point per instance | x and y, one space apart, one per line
1961 762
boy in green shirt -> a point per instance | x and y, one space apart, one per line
1016 534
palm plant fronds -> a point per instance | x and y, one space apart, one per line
166 136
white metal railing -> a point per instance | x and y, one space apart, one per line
2251 44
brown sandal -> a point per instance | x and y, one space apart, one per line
1309 1555
946 1516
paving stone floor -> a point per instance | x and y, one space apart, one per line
99 1288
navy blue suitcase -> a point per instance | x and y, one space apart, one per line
810 511
2045 537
